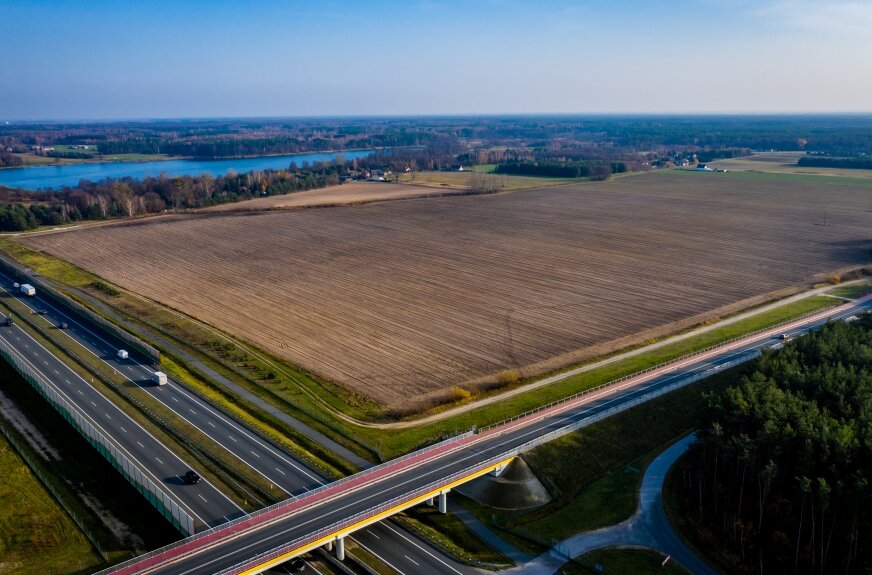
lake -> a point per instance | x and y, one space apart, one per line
38 177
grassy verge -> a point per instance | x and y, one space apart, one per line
462 180
594 474
621 561
453 536
854 291
317 402
217 465
36 535
358 554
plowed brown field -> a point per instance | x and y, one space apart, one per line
401 299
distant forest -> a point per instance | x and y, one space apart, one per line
576 137
863 163
781 477
595 170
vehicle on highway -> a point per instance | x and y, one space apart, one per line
41 312
191 477
28 290
159 378
8 321
16 285
295 565
122 354
63 325
783 336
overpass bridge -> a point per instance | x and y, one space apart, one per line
325 516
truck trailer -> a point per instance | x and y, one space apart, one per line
28 290
159 378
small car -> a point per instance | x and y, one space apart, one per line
122 354
296 565
41 312
191 477
16 285
63 325
782 336
8 321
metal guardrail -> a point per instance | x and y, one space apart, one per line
338 526
107 448
293 501
468 471
648 370
135 343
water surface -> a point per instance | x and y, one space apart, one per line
38 177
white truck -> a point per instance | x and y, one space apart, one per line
28 289
159 378
122 354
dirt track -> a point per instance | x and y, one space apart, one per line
403 299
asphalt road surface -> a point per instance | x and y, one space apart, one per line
276 466
410 478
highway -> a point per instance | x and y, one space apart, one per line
276 466
206 504
412 478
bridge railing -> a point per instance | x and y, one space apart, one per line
114 453
673 361
277 508
396 502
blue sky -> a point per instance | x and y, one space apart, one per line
97 59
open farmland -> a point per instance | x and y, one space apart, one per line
346 194
403 299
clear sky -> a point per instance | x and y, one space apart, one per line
99 59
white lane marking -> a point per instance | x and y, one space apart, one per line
386 526
192 411
56 372
94 404
80 392
140 444
373 534
201 497
212 424
280 471
412 560
233 438
174 399
107 415
158 460
253 453
122 428
380 558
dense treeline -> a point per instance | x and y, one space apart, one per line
594 170
8 159
863 163
572 137
783 468
128 197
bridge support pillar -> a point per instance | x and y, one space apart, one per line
340 548
430 502
328 546
443 501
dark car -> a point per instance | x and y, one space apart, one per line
63 325
41 312
191 477
7 321
295 565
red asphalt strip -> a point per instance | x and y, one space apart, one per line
299 504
